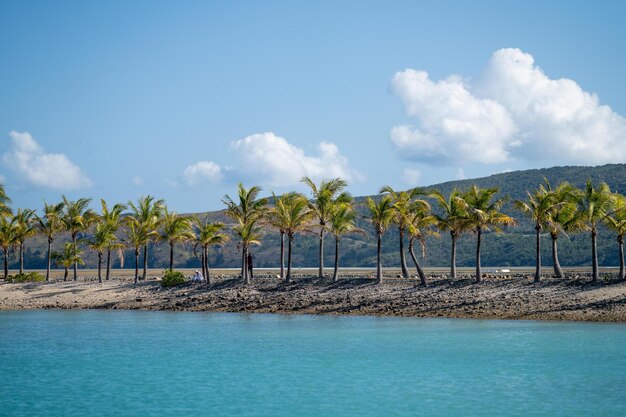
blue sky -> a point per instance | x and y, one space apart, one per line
184 99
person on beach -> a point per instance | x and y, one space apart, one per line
250 264
197 277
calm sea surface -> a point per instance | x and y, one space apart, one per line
129 363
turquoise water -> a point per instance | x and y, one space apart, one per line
129 363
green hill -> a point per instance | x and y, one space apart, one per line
515 247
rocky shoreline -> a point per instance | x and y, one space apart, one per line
497 297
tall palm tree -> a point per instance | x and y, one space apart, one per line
562 218
8 236
77 217
297 216
595 206
381 214
539 207
247 209
617 223
5 209
147 212
137 236
401 203
101 240
420 219
50 224
176 229
324 196
484 214
342 222
277 217
26 227
113 218
453 219
71 255
207 235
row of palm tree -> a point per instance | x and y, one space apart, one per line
561 210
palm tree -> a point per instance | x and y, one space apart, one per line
277 217
324 196
147 212
25 228
50 224
297 216
102 239
176 229
483 214
539 207
562 218
342 222
381 216
113 218
247 210
207 235
5 210
8 236
617 223
420 218
401 204
454 219
137 236
77 218
595 206
71 255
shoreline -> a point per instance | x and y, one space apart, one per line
510 297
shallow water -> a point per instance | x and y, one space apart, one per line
133 363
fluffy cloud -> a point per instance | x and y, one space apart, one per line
203 171
272 159
30 161
511 111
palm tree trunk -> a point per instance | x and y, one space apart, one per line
136 265
21 257
538 253
6 263
594 256
282 255
479 237
620 240
405 270
65 273
246 276
379 261
335 277
100 267
243 260
420 272
453 256
171 256
206 265
289 241
145 262
49 259
75 263
558 271
321 260
108 274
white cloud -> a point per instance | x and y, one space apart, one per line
511 111
137 180
203 171
411 176
30 161
273 160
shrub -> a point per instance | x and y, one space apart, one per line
172 278
27 277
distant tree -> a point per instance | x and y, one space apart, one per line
77 217
278 217
8 238
137 236
207 235
453 219
26 227
595 206
297 216
324 196
175 229
562 218
484 213
420 220
147 212
249 234
381 214
114 220
50 224
5 201
102 239
71 255
617 223
342 222
401 204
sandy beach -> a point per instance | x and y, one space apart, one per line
498 297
